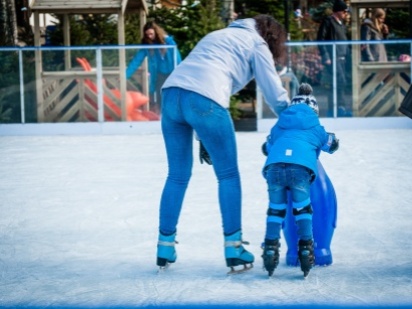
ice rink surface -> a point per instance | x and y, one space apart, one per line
79 219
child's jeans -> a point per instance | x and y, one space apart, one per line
280 178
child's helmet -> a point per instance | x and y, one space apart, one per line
305 96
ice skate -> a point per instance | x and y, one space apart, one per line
306 256
236 255
166 253
270 255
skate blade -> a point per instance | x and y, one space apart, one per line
305 274
234 271
270 273
162 269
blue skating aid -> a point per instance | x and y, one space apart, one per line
324 204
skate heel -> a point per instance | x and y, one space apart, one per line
162 262
166 252
236 254
270 255
306 256
232 262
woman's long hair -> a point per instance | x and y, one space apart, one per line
274 34
376 14
160 34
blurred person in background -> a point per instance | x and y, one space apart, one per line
161 61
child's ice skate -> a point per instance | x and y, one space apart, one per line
306 256
166 252
270 255
236 255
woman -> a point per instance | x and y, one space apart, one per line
161 61
374 29
196 99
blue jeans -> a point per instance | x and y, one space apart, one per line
184 112
281 178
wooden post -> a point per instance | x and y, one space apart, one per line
355 60
66 35
39 69
122 65
145 75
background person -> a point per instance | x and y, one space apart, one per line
161 61
333 28
374 29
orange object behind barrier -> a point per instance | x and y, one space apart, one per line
134 100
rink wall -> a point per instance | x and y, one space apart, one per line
153 127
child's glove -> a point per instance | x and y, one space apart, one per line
264 149
334 144
204 155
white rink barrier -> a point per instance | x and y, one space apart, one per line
153 127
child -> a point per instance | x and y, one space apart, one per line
292 150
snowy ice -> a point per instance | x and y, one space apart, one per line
79 219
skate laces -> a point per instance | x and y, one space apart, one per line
270 245
167 243
235 243
306 252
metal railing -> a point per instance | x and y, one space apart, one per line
47 84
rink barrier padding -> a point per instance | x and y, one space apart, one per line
406 105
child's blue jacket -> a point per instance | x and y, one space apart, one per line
297 137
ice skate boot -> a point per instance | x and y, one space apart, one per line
236 255
306 256
166 252
270 255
